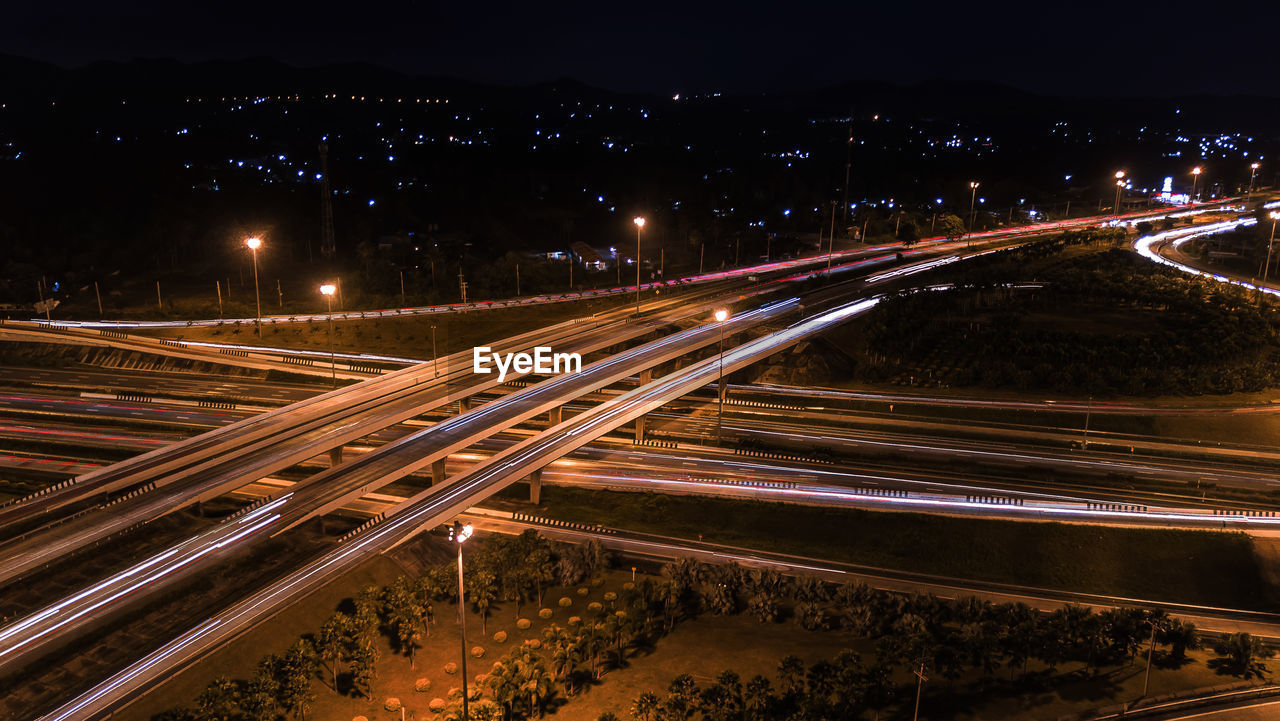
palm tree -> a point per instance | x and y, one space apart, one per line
502 687
1179 635
1242 652
483 591
332 641
758 698
791 675
646 707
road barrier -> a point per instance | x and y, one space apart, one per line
775 456
554 523
362 527
1118 507
995 500
653 443
1247 514
761 404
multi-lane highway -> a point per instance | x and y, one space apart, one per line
398 458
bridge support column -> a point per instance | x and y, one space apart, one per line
335 456
640 429
437 472
535 487
646 376
555 416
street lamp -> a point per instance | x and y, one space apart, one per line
1274 215
639 221
459 534
327 290
1195 180
721 316
1119 185
973 193
253 244
1253 173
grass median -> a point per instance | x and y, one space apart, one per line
1199 567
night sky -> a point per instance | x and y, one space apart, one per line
1072 48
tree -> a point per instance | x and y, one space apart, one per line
294 678
331 643
1179 635
791 675
1242 655
758 698
646 707
364 668
952 227
811 589
404 615
503 686
681 701
218 700
258 703
483 591
810 616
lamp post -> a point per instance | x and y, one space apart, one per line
459 535
1119 186
1253 174
1151 650
1274 215
973 194
254 243
721 316
639 221
1195 181
327 290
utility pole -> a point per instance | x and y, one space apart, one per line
831 239
99 297
40 290
280 293
517 280
402 300
159 300
1084 439
848 163
462 287
920 679
1146 679
435 371
702 254
217 284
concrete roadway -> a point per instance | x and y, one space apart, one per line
272 449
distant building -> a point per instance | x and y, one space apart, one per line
588 256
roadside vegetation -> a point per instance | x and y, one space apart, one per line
550 627
1201 567
1105 323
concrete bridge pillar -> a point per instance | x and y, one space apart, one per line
437 472
535 487
555 416
335 456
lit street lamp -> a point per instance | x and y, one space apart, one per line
1274 215
1253 173
973 193
253 244
459 535
327 290
1119 186
1195 181
721 316
639 221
